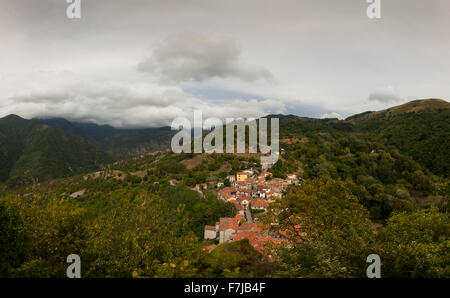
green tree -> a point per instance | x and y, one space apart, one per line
416 244
13 237
56 229
237 259
141 238
328 230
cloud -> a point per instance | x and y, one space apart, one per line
196 57
137 104
331 116
325 56
385 95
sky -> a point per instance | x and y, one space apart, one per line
139 63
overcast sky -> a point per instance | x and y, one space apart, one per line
139 63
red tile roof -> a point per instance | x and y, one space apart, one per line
228 223
259 203
239 217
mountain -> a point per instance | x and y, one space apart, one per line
31 151
357 189
119 143
49 148
420 128
415 106
93 132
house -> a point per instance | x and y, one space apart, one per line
249 172
241 176
259 204
240 210
239 217
265 174
227 193
243 185
210 232
227 227
173 182
231 178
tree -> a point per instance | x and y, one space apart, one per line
237 259
328 230
141 238
416 244
13 238
57 229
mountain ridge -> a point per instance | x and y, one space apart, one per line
31 152
51 148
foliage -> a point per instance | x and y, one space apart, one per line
56 229
329 231
416 244
236 260
198 211
33 152
13 238
146 234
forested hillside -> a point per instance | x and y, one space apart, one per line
360 193
32 152
383 176
420 129
119 143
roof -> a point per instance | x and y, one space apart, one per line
259 203
246 226
239 217
237 205
228 223
210 228
257 240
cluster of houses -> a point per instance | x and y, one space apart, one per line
249 192
236 228
254 192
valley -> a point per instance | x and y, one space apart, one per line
341 189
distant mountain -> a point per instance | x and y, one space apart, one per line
42 149
420 128
119 143
93 132
31 151
414 107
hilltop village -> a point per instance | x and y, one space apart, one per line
249 193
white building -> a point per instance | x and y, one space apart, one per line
210 232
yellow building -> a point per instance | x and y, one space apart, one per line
241 176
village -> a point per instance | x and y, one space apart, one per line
250 193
